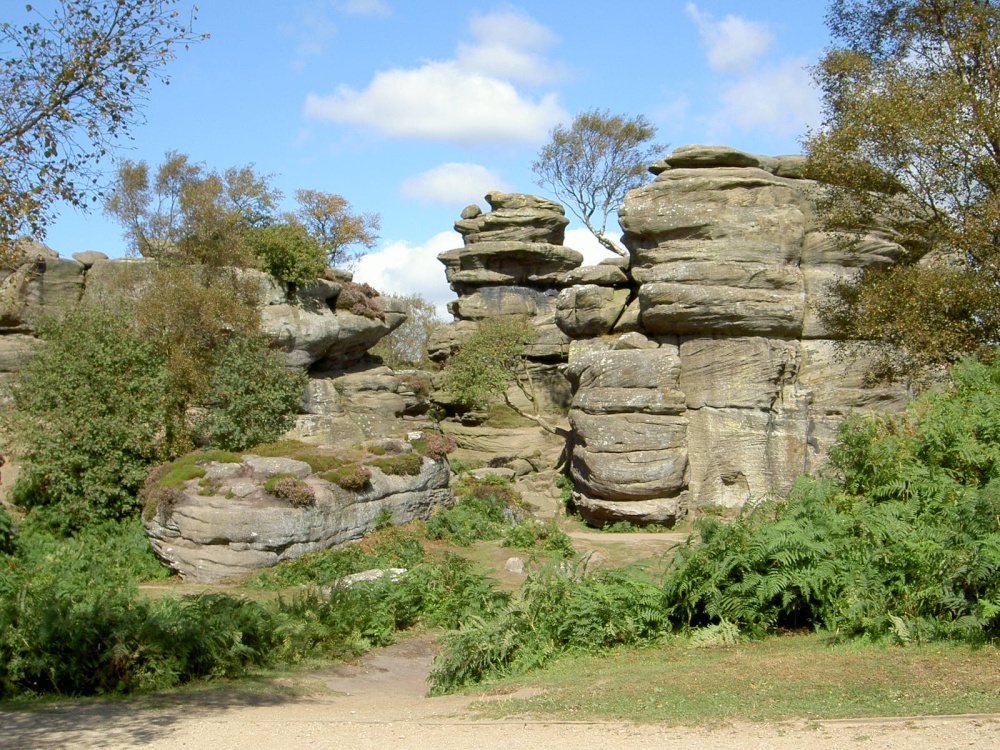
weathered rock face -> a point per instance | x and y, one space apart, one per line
730 269
241 527
305 325
513 263
701 372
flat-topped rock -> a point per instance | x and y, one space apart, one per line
500 263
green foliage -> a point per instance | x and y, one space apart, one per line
6 532
68 98
253 396
904 545
90 409
483 511
405 464
101 403
487 361
434 445
908 145
529 534
389 547
406 346
288 252
186 212
556 611
591 165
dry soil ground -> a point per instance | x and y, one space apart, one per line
379 703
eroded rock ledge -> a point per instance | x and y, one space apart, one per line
227 523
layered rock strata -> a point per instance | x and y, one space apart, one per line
513 262
701 372
305 324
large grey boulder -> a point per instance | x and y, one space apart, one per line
498 301
240 527
629 434
589 310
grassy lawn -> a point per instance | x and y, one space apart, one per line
793 677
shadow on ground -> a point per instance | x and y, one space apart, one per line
134 722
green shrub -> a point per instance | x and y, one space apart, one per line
904 544
434 444
389 547
253 396
530 533
485 364
290 488
288 252
405 464
483 512
554 611
6 532
360 299
88 418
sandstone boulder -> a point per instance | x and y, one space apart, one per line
241 527
515 217
589 310
509 263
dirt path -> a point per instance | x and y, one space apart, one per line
379 703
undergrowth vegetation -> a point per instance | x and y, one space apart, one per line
899 543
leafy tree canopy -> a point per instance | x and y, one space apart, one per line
406 346
186 211
70 87
910 144
591 165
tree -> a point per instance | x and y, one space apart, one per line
189 212
106 397
489 362
330 221
592 165
88 416
910 147
406 346
70 87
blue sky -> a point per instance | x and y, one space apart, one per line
416 109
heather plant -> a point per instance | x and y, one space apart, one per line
292 489
360 299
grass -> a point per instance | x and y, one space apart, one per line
793 677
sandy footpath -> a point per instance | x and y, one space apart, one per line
379 703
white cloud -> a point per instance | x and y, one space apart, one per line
470 99
401 268
371 8
453 183
781 100
509 45
732 43
440 101
312 31
581 240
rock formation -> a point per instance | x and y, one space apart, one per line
701 371
227 523
512 263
